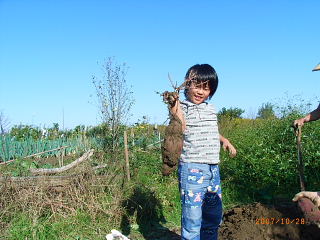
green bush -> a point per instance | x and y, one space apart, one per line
266 164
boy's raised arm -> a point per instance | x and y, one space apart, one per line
176 110
172 98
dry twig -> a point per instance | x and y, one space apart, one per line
85 156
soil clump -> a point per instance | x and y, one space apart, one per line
262 222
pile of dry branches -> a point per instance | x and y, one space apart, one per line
84 192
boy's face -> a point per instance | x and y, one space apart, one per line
198 92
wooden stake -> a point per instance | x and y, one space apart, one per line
132 136
126 154
300 160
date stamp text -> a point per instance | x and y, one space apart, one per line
271 220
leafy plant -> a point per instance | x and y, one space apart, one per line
230 113
266 111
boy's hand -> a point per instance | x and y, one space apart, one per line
170 98
228 146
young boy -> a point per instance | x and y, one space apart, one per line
199 176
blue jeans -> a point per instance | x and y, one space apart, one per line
200 191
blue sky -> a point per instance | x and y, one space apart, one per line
49 50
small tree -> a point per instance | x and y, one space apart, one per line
114 97
266 111
230 113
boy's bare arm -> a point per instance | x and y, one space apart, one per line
228 146
172 98
176 110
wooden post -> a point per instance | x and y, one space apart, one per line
157 131
62 155
126 154
59 159
132 136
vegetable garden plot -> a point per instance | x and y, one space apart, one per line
13 149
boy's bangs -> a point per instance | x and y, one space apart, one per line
199 77
199 81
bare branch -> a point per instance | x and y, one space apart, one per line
4 123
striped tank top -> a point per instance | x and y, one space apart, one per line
201 137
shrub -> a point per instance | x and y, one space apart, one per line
266 163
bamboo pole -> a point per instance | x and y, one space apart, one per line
126 154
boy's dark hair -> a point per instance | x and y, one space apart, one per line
201 73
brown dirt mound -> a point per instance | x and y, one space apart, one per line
258 221
255 222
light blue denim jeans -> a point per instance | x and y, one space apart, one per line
200 191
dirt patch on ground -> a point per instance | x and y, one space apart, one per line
254 222
258 221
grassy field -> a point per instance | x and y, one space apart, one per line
89 208
148 206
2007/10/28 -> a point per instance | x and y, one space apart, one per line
280 221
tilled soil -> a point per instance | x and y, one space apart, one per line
262 222
255 222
